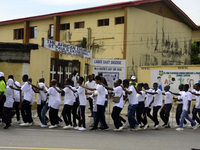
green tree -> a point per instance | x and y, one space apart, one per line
83 43
195 51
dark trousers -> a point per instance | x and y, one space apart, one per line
155 114
7 115
2 101
81 116
178 114
116 118
53 115
26 111
139 112
74 112
16 104
164 113
31 119
122 119
66 113
91 105
146 112
194 114
100 117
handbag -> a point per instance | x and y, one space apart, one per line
116 99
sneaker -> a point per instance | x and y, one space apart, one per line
115 129
120 128
138 128
146 126
92 125
53 126
24 124
93 129
68 127
77 127
132 129
101 127
30 124
189 126
164 125
185 125
7 126
125 123
82 129
156 127
60 123
43 126
196 126
18 122
179 129
176 126
105 128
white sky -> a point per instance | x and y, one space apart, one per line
14 9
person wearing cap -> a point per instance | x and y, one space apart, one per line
133 81
2 93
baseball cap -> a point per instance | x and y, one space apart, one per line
133 78
1 74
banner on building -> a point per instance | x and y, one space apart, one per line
110 68
66 48
174 78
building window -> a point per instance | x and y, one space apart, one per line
65 26
103 22
51 30
18 34
33 32
119 20
79 25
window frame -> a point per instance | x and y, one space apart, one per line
17 35
34 37
50 32
122 20
65 24
104 22
79 25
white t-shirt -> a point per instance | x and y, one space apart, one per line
94 101
9 94
82 97
69 96
75 79
179 97
32 95
27 90
186 96
54 98
101 97
168 98
42 93
75 94
149 98
141 97
197 105
16 93
157 98
118 91
106 93
132 98
91 84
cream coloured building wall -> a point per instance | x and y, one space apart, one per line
196 35
155 40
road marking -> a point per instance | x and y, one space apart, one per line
39 148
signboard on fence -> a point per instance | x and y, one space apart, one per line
66 48
174 78
112 69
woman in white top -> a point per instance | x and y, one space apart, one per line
17 95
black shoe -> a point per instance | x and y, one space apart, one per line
94 129
7 126
105 128
168 126
164 125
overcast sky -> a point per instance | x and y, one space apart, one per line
14 9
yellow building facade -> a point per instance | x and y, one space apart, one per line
144 33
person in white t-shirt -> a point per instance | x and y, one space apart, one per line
75 78
179 108
186 97
196 108
8 105
54 104
17 96
157 103
147 109
83 102
164 113
91 84
68 104
101 97
75 106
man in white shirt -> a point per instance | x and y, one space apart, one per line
90 84
164 113
101 97
8 105
75 78
17 96
186 97
157 103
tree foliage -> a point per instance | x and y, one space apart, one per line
195 51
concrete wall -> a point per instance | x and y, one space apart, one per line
196 35
155 40
40 65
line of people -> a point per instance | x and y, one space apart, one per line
140 103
